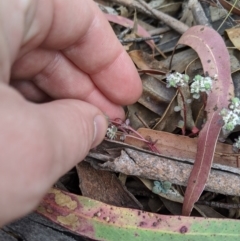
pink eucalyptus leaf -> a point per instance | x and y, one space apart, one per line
214 56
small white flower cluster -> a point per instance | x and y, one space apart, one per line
112 132
236 145
177 79
231 116
230 119
235 105
200 84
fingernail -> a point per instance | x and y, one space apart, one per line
100 128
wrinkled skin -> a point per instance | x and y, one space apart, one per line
61 68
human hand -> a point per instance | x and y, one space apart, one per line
63 51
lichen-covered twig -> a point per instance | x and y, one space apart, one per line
143 7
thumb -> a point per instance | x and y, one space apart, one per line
73 127
39 144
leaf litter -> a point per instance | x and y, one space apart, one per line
177 168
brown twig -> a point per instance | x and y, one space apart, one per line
220 205
141 6
141 120
157 31
170 21
198 13
132 4
137 40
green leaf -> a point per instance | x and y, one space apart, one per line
100 221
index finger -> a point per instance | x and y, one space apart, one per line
95 49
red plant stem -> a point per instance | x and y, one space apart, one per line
204 96
184 111
137 138
123 127
126 127
150 145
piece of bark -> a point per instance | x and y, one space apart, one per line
104 186
137 163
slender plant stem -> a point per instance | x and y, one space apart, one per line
184 111
124 128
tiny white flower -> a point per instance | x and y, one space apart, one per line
236 145
200 84
111 132
176 80
235 105
230 118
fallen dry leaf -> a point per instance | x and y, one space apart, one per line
140 30
104 186
100 221
183 147
228 6
169 114
234 35
145 61
214 56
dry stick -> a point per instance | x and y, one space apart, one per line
157 31
233 6
144 8
133 4
141 120
138 40
220 205
198 13
170 21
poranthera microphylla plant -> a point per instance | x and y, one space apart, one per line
199 85
161 187
177 80
126 130
231 118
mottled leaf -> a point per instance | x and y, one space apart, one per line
100 221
